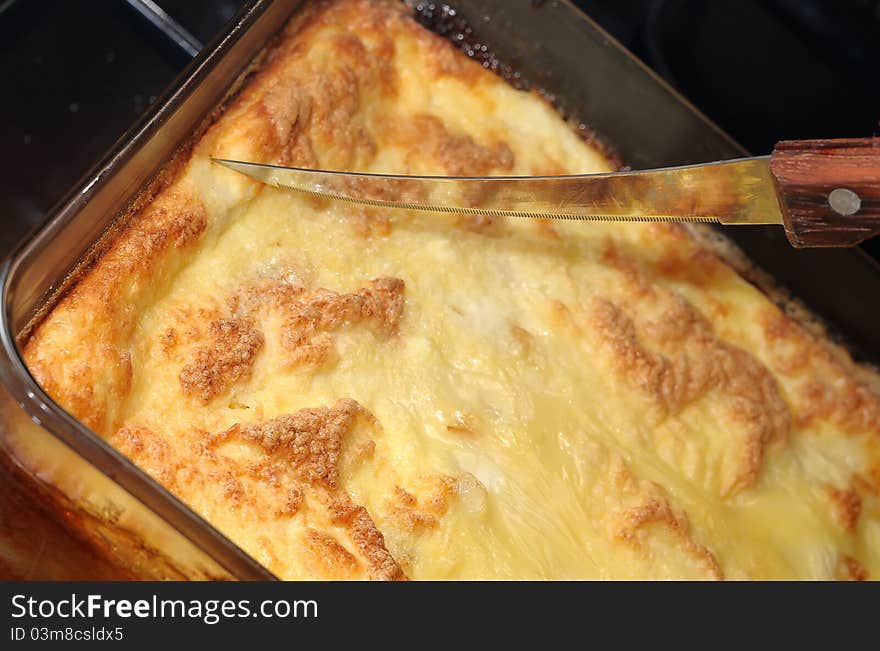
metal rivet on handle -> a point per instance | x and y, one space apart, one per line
844 202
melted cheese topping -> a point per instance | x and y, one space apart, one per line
351 392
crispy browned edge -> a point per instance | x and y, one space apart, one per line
57 515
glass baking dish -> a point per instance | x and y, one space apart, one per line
70 495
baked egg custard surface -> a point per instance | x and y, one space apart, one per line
351 392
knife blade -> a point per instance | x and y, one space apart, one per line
731 192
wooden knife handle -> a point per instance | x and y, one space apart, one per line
829 190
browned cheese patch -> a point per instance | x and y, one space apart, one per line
226 350
846 506
227 358
150 451
292 472
308 444
827 391
427 137
334 559
367 537
868 485
412 513
685 263
458 153
310 317
684 363
849 569
310 104
646 504
847 404
310 440
319 102
680 260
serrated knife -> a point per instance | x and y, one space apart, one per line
824 192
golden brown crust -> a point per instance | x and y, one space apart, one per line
832 395
234 344
335 560
87 367
849 569
412 514
137 442
655 509
368 539
694 362
310 317
644 505
309 441
227 349
294 475
458 153
847 507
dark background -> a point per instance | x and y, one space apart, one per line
76 76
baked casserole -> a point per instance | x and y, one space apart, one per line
350 392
